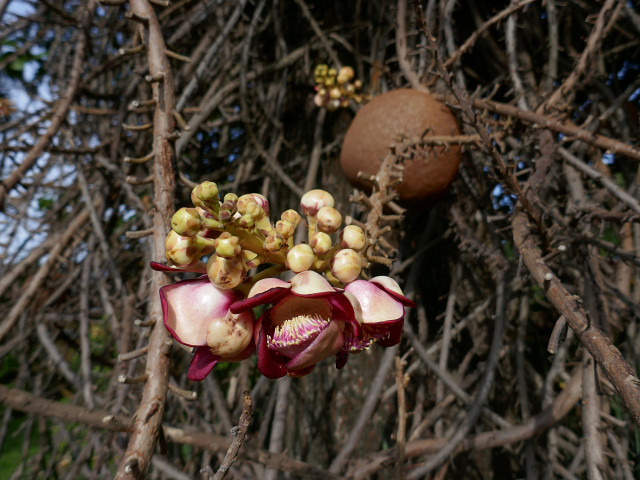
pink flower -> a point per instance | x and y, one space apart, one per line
382 303
196 313
308 322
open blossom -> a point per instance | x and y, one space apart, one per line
196 313
382 303
307 322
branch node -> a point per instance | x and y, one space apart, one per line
144 323
158 77
144 159
136 18
132 380
187 394
124 357
137 128
131 51
177 56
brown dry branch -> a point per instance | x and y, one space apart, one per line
539 232
146 427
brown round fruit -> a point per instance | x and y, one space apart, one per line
378 125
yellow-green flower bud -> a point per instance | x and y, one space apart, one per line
335 93
183 251
292 217
332 72
346 265
320 243
333 104
328 219
273 243
186 222
320 72
349 89
353 237
227 245
357 84
252 198
300 258
225 272
205 196
314 200
285 229
255 211
246 221
345 74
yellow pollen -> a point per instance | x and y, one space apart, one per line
297 330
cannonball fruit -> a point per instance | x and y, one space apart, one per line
379 124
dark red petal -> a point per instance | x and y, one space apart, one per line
202 363
269 296
394 333
341 359
302 372
401 298
270 364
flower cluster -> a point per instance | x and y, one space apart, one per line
324 310
335 88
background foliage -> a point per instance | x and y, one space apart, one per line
539 228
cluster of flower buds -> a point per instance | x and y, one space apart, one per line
238 235
335 88
324 310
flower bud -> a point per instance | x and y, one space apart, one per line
252 198
230 335
328 219
320 243
273 243
205 196
184 251
320 72
333 104
314 200
346 265
227 245
291 216
225 272
345 74
353 237
335 93
300 258
186 222
255 210
285 229
349 89
246 221
228 208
